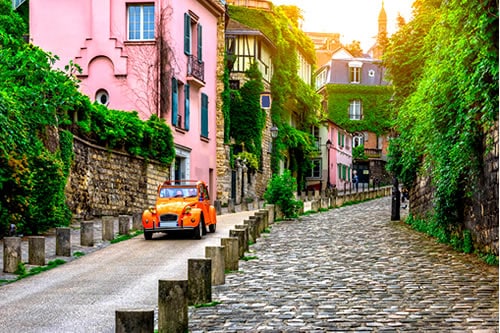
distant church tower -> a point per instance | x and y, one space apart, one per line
378 49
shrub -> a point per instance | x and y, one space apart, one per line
280 191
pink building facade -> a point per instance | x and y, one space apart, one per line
340 167
157 57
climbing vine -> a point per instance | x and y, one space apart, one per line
293 99
451 102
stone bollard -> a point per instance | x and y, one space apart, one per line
240 235
199 281
278 213
216 253
87 233
264 213
12 254
314 205
256 226
63 242
230 206
36 250
107 228
246 235
271 214
134 321
251 230
231 258
218 207
123 224
172 306
137 221
244 205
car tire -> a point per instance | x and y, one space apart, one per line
198 231
148 235
212 227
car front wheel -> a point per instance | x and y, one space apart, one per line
198 231
212 227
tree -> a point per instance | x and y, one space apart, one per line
355 48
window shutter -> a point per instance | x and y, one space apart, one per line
204 115
200 43
186 107
174 102
187 34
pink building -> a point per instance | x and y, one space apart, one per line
340 167
155 57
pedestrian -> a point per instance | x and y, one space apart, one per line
356 181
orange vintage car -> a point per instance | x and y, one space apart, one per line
181 205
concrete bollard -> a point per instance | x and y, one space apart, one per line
216 253
87 233
63 242
218 207
230 206
199 281
134 321
246 237
240 235
314 205
172 306
251 230
231 258
123 224
107 228
278 212
137 221
255 227
12 254
36 250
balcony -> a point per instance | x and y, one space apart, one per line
373 153
195 71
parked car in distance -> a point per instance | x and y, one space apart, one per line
181 205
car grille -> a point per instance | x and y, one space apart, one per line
168 217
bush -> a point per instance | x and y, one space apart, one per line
280 192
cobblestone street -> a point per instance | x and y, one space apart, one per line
352 269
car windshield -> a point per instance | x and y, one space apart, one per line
178 192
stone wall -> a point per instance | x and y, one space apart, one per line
107 182
480 211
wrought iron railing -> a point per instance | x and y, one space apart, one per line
196 68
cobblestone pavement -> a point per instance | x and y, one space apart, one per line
352 270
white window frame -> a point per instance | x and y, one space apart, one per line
355 71
144 27
316 169
355 110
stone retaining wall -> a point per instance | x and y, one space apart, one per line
108 182
481 211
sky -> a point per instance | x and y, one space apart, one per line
352 19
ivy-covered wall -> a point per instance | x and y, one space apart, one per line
376 116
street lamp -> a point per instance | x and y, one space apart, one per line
274 132
328 146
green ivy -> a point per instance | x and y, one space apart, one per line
291 96
377 115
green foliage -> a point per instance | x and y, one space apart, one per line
291 95
280 191
247 117
358 153
377 116
250 160
444 65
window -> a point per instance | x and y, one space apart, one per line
354 74
371 73
358 140
102 97
193 33
355 71
340 139
141 22
204 115
180 105
355 110
316 169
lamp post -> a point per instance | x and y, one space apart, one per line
274 132
328 147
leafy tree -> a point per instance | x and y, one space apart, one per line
354 48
